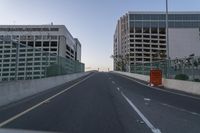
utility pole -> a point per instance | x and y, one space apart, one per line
167 39
167 29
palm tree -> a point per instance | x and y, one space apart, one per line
121 62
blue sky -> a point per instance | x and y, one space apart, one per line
92 21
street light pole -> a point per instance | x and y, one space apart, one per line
167 39
167 29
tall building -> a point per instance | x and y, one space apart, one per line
27 50
140 37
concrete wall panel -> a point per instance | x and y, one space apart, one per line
16 90
185 86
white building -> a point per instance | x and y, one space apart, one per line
39 46
142 36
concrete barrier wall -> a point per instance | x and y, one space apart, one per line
185 86
133 75
16 90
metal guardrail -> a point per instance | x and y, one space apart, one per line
184 68
22 62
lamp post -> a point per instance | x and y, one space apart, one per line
167 29
167 39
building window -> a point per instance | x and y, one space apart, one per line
20 73
68 48
138 30
54 29
154 30
38 37
54 44
154 41
154 37
30 37
6 56
21 64
22 59
46 44
137 17
30 44
5 65
146 36
162 46
162 30
45 29
5 74
37 68
22 50
53 49
131 30
37 63
22 37
6 60
46 49
46 37
21 69
54 37
37 59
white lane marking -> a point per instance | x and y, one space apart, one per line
194 113
159 88
118 88
43 102
148 123
47 101
113 82
147 99
179 109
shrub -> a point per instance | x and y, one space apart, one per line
196 80
181 77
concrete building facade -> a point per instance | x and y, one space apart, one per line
141 36
78 50
37 47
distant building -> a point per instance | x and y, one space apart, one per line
141 36
43 44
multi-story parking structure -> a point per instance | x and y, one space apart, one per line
27 51
140 37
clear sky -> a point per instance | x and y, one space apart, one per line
92 21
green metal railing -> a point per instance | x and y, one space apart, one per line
184 68
22 62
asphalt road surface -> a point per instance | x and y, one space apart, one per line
104 103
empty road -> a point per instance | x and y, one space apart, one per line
105 103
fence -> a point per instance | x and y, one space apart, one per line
184 68
23 62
